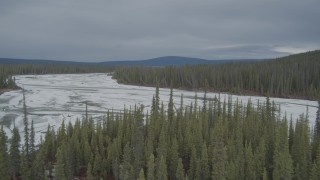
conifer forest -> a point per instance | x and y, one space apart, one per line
295 76
207 139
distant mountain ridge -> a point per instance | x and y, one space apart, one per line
36 61
172 60
160 61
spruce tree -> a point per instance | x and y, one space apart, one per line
219 154
38 166
260 158
317 124
283 166
150 167
141 175
126 168
32 141
170 111
265 174
60 168
192 173
301 148
162 170
204 166
4 159
173 156
97 165
162 146
316 164
25 166
157 101
90 175
291 133
116 168
32 150
314 172
26 127
138 142
15 158
250 168
316 133
231 171
180 171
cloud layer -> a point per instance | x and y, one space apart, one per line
101 30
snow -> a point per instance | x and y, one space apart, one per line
52 98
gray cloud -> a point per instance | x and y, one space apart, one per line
100 30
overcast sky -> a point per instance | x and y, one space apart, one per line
103 30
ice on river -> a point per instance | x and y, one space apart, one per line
52 98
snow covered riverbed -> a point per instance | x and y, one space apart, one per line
52 98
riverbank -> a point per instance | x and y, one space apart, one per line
8 90
231 92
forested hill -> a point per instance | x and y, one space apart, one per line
172 60
294 76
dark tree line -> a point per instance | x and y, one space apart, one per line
217 140
8 70
295 76
6 80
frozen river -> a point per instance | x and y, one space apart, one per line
52 98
